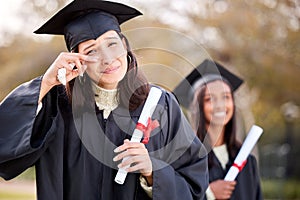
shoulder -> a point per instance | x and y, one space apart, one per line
252 163
251 158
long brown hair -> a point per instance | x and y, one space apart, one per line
198 121
133 88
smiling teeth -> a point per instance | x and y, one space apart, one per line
220 114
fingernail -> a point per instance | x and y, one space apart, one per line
115 158
116 150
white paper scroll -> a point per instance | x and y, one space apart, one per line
250 141
148 109
61 76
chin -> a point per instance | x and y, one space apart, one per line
218 122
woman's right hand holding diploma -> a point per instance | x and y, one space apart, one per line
137 157
222 189
68 61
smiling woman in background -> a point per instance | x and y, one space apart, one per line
207 92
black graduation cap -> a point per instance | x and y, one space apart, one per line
82 20
206 72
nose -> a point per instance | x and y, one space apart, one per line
106 58
219 104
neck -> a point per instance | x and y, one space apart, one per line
106 99
216 134
99 87
108 86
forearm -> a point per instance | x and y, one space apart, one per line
44 89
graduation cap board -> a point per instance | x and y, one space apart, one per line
206 72
82 20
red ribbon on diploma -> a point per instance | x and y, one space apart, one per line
151 125
240 167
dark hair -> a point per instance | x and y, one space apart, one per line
133 88
230 128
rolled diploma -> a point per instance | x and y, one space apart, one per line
251 139
148 109
61 76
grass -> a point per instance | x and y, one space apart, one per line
4 195
281 189
9 193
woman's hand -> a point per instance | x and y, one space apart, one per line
137 157
68 61
222 189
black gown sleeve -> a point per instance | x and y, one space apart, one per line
256 177
182 171
24 135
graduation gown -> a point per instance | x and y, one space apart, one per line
248 181
72 150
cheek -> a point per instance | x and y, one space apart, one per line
91 68
92 72
124 66
207 108
122 74
230 109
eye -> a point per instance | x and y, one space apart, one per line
227 97
92 52
207 99
112 44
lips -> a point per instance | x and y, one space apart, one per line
110 70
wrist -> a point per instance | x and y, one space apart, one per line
45 88
149 179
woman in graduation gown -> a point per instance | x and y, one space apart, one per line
211 111
77 135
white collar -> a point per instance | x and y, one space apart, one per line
106 100
222 154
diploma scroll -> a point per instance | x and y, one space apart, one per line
240 160
61 76
148 109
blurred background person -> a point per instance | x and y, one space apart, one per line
207 92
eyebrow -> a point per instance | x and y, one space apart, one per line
106 38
